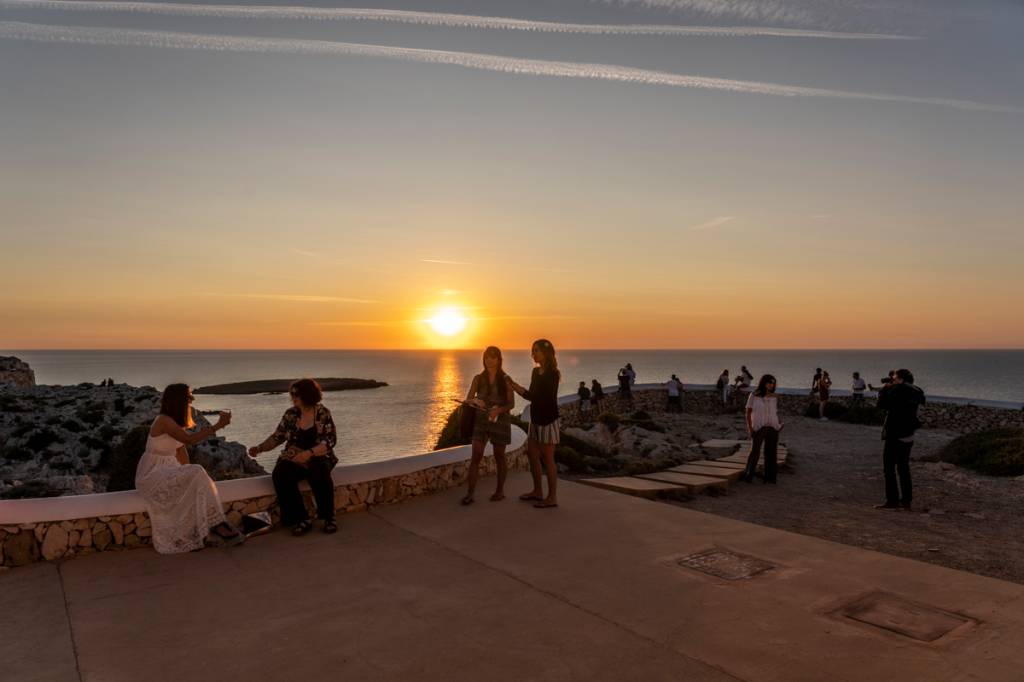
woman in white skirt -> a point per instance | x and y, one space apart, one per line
544 426
180 498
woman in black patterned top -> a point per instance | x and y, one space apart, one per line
544 426
491 398
307 430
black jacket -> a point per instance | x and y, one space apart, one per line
900 401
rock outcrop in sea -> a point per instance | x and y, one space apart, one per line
70 440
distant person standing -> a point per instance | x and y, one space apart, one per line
723 386
544 432
675 394
824 384
626 377
858 386
491 397
815 380
631 373
584 396
901 400
763 425
596 395
885 381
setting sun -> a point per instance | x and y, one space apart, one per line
448 321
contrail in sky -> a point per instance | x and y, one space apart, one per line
471 60
429 19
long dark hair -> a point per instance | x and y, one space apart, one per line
175 404
547 349
762 385
484 381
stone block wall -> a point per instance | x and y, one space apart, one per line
53 540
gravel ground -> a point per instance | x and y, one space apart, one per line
834 478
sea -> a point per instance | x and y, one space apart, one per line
406 417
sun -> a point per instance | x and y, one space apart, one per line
447 321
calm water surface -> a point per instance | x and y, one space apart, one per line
405 417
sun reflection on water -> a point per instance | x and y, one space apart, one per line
448 387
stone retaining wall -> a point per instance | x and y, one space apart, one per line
964 418
52 540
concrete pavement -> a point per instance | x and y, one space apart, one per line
434 591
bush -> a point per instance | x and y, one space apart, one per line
610 420
995 452
574 461
582 447
450 435
126 457
646 425
832 410
15 453
91 413
42 439
28 490
640 416
73 426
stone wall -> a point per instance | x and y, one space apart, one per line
963 418
14 371
50 541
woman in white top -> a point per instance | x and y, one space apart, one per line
764 426
180 498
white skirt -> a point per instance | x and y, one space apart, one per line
546 435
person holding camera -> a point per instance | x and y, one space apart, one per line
901 399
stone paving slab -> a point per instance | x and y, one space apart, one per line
692 482
714 472
630 485
722 464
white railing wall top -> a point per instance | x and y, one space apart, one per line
69 507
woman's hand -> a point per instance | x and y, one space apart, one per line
225 419
302 457
477 402
493 414
253 451
512 382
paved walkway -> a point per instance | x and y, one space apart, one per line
428 590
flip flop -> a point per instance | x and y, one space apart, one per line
466 501
497 498
544 504
530 497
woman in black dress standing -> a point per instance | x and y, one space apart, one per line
491 396
307 429
544 426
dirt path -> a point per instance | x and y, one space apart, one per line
960 520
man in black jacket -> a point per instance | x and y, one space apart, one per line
900 399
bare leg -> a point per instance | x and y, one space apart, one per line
502 467
549 464
821 409
474 470
533 450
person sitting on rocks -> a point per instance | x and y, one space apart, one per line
307 430
180 497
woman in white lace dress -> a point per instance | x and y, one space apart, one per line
181 499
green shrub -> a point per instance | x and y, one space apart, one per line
126 457
610 420
832 410
42 439
28 490
450 435
574 461
995 452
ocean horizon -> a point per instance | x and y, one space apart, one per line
406 417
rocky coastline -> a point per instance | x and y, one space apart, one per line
282 385
73 440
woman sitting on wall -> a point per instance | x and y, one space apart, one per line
180 498
307 430
491 396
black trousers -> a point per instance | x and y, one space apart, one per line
287 476
896 462
768 437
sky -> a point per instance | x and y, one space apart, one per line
603 173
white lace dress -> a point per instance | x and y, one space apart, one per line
181 499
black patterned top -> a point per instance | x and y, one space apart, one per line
288 431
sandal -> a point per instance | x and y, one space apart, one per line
544 504
530 497
330 527
466 501
301 528
497 497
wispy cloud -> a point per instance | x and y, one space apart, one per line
471 60
429 19
294 298
436 261
714 222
